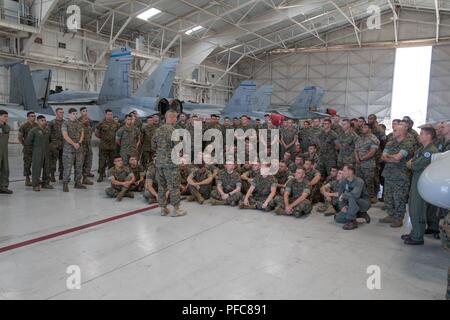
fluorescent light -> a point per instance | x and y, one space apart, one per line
148 13
194 29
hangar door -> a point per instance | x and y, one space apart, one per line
439 91
356 82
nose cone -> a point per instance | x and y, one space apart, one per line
434 182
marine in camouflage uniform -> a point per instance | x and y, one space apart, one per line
203 176
312 174
289 136
347 141
27 149
87 150
147 152
107 150
185 170
71 156
248 176
296 189
167 172
282 176
396 179
328 140
56 148
138 173
263 188
120 174
127 138
331 204
367 144
151 187
229 182
38 139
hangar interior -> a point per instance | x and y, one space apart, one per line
346 47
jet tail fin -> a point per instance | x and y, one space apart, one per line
21 87
261 99
242 99
116 83
309 99
41 81
159 83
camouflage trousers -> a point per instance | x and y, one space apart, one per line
72 157
368 175
168 179
126 153
146 158
342 161
87 161
27 160
205 191
302 208
56 155
396 192
257 203
236 197
149 197
113 191
445 238
105 160
324 166
315 193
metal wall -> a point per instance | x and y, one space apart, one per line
439 91
356 82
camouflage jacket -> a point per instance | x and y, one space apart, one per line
74 130
56 136
228 181
127 137
122 175
106 131
347 141
24 130
147 135
163 144
398 170
363 146
296 188
327 145
263 186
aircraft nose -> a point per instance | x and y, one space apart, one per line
434 182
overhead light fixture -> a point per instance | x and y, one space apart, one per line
194 29
147 14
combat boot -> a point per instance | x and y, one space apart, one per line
190 198
412 242
165 211
37 188
100 178
121 194
78 185
387 219
373 200
279 211
60 176
65 187
28 181
5 191
322 207
52 177
397 223
129 194
330 211
350 225
87 181
216 202
47 186
197 196
91 175
364 215
178 212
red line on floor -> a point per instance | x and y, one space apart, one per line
74 229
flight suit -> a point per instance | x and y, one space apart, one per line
38 140
419 209
4 164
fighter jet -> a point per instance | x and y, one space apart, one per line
115 93
307 104
246 100
28 91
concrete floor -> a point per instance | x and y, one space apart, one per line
212 253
